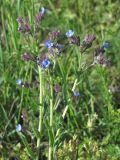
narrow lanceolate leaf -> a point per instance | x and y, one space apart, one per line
50 133
26 144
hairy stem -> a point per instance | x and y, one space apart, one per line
51 118
20 108
40 111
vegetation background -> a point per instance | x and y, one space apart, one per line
93 125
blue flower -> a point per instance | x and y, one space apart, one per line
18 81
76 93
69 34
18 127
106 45
45 63
43 10
48 44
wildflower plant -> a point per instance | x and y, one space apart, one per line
49 58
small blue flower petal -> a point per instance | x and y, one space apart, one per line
106 45
69 34
43 10
48 44
18 127
45 63
18 81
76 93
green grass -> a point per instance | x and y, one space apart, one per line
86 128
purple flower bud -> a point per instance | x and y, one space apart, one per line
57 88
99 51
27 28
24 28
48 44
20 20
70 33
89 38
87 42
54 34
23 25
75 40
20 28
18 127
27 57
39 16
59 46
101 59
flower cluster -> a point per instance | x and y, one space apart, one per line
40 15
23 25
75 40
27 57
43 62
55 44
54 34
99 56
52 42
87 42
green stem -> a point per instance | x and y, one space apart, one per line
3 27
40 111
20 108
51 103
51 118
